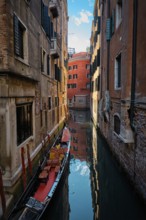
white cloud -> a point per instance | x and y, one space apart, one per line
84 17
80 43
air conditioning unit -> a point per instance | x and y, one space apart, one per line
54 48
53 44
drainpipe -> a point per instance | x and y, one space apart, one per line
108 46
133 79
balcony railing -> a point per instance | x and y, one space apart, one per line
53 6
55 47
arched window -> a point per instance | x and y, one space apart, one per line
117 123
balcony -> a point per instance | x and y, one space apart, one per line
55 47
53 6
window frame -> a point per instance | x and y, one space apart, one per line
75 67
117 72
117 124
49 103
20 39
24 122
75 76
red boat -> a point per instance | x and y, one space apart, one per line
37 197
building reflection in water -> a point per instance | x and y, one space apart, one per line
96 188
80 196
94 175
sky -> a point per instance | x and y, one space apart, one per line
80 14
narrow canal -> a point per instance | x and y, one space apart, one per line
95 188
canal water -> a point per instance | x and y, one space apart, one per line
94 188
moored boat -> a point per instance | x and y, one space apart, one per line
37 197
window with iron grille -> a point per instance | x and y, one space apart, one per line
24 122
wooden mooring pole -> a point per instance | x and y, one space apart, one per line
23 167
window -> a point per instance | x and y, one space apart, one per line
88 76
20 39
74 85
117 124
43 60
75 148
88 85
69 68
45 19
58 75
75 76
71 85
69 76
80 100
24 122
53 116
87 66
56 101
75 66
118 13
49 103
74 98
48 65
97 83
118 72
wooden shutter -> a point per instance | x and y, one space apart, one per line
46 24
16 35
48 64
49 26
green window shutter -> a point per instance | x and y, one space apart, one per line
16 35
48 64
108 29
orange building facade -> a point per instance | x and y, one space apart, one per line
78 83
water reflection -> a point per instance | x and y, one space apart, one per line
116 197
80 197
96 188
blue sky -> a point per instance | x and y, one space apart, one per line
80 14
